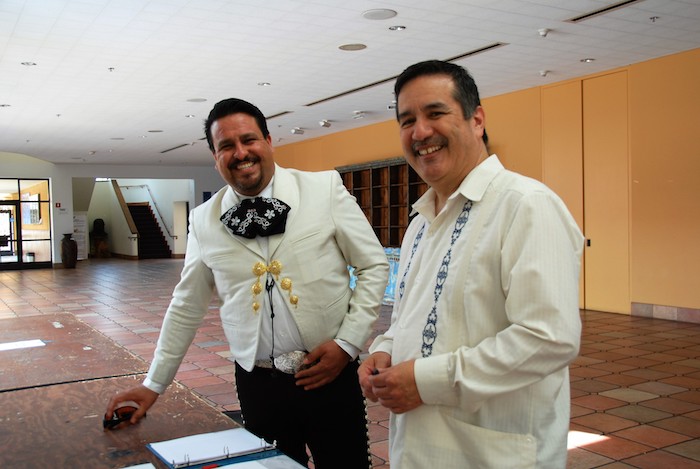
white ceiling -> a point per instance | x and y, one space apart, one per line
110 72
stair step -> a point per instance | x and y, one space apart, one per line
152 243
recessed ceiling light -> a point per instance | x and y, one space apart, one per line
155 131
196 100
324 123
297 131
263 83
587 60
397 28
378 14
29 64
352 47
189 116
5 105
117 138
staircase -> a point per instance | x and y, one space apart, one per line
152 243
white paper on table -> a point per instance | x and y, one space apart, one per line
206 447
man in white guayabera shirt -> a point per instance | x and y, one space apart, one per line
474 366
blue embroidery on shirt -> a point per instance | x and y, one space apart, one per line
402 285
430 330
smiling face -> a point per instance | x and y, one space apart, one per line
438 142
243 156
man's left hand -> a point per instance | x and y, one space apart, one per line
325 363
395 388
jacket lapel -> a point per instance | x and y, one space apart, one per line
286 190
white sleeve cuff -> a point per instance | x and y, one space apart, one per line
153 386
350 349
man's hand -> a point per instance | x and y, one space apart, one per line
369 367
325 363
394 387
143 396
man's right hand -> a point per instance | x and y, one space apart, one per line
369 367
143 396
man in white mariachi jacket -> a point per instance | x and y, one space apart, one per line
282 278
474 366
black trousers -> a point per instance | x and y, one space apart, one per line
331 420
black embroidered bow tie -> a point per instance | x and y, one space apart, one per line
259 216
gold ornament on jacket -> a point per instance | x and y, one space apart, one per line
274 268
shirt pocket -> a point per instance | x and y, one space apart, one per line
449 443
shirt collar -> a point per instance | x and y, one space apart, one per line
473 187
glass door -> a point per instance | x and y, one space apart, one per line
9 248
25 234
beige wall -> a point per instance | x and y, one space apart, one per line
663 100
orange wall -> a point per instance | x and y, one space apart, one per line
514 126
373 142
664 156
665 180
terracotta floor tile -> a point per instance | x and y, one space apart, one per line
578 411
621 379
652 436
604 423
629 395
683 381
203 381
680 424
612 367
579 458
688 396
639 413
658 388
661 459
688 449
617 448
585 372
647 374
592 386
670 405
599 403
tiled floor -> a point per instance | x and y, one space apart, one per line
635 385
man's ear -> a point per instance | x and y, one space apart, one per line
479 118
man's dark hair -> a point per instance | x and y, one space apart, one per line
230 106
465 91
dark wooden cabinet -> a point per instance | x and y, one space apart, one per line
385 190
